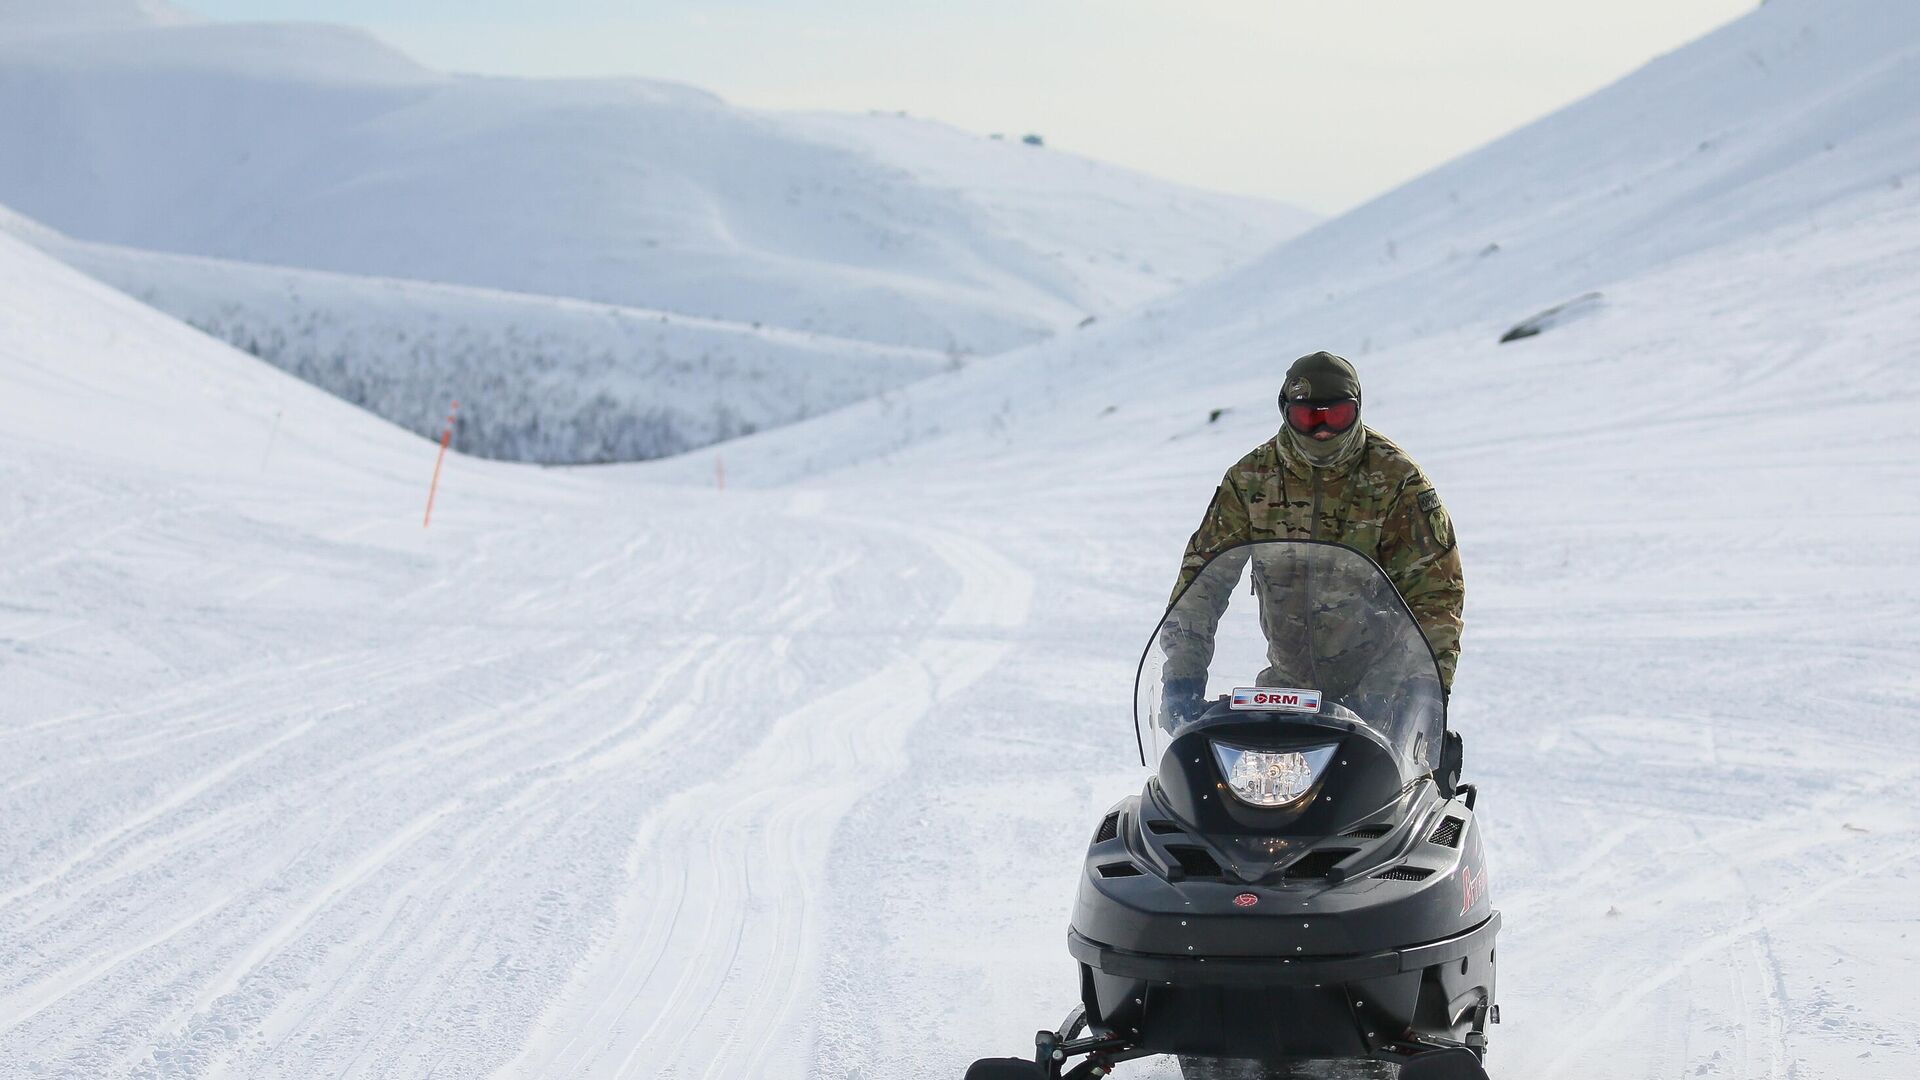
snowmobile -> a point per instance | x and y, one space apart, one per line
1300 890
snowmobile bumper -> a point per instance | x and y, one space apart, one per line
1390 1004
1279 971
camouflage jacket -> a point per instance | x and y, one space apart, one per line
1381 504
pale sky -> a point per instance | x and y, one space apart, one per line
1322 103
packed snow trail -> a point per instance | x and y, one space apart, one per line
298 788
734 870
1690 552
416 842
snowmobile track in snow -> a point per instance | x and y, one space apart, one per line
707 968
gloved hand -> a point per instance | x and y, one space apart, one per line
1182 700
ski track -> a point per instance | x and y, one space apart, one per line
567 803
708 969
1743 937
211 927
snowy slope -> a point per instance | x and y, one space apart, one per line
1691 557
319 147
539 379
1688 517
603 776
280 763
1775 123
1088 217
24 18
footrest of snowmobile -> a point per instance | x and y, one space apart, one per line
1455 1064
1070 1052
1005 1069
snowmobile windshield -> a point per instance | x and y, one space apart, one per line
1293 632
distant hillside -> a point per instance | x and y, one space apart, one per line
29 17
319 147
1797 116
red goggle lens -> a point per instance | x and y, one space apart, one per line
1306 418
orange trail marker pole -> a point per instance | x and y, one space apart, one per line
446 438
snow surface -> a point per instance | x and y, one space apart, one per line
319 147
613 773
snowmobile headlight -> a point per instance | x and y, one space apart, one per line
1271 777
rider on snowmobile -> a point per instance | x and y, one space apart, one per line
1324 476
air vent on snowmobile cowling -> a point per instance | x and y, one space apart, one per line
1407 873
1367 832
1119 869
1318 864
1447 833
1109 828
1194 862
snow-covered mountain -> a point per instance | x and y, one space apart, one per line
404 237
1767 127
28 18
321 148
611 774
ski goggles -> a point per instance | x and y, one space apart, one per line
1307 417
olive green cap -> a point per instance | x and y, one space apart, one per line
1320 376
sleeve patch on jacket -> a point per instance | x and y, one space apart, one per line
1429 501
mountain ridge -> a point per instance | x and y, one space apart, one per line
319 147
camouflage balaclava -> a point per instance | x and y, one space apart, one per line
1322 377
